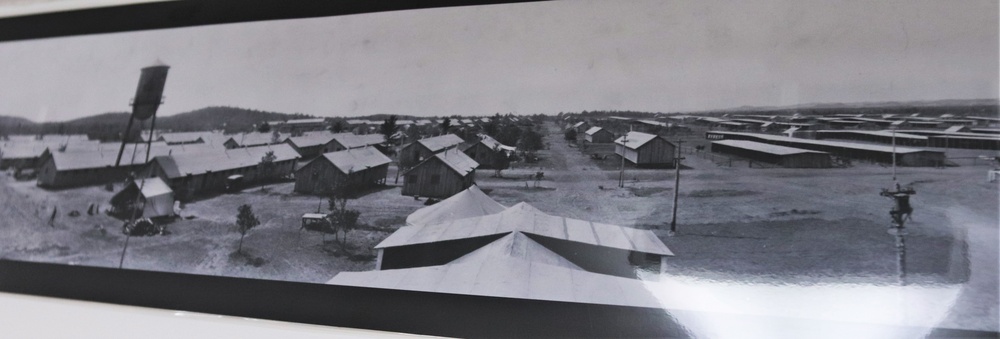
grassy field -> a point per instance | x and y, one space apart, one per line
783 225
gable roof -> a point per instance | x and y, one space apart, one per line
358 159
513 266
435 144
152 187
471 202
217 160
458 161
635 139
492 144
595 129
351 140
525 218
256 139
310 140
105 155
31 148
764 147
850 145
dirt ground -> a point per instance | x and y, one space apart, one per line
768 224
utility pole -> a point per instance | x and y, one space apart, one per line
893 154
677 187
621 173
900 212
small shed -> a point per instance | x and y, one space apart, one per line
364 167
440 176
597 135
646 150
148 198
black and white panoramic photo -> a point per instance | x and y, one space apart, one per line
744 166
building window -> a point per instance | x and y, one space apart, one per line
435 179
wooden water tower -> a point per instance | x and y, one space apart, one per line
148 97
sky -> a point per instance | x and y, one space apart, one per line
657 56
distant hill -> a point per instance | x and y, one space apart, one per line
231 119
108 126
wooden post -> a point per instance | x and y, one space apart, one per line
677 188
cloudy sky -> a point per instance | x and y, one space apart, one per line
666 56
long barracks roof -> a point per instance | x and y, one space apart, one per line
107 154
438 143
188 137
876 133
257 139
944 133
765 148
217 160
358 159
635 139
350 140
311 140
849 145
30 148
305 121
526 219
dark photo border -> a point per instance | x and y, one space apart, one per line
367 308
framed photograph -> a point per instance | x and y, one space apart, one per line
511 169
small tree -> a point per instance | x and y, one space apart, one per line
445 125
509 134
570 135
340 217
530 141
492 127
275 137
501 161
337 126
264 127
245 221
266 164
388 130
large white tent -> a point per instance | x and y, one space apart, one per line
513 266
525 218
471 245
471 202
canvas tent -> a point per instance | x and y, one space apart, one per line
471 202
599 248
520 252
513 266
155 198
